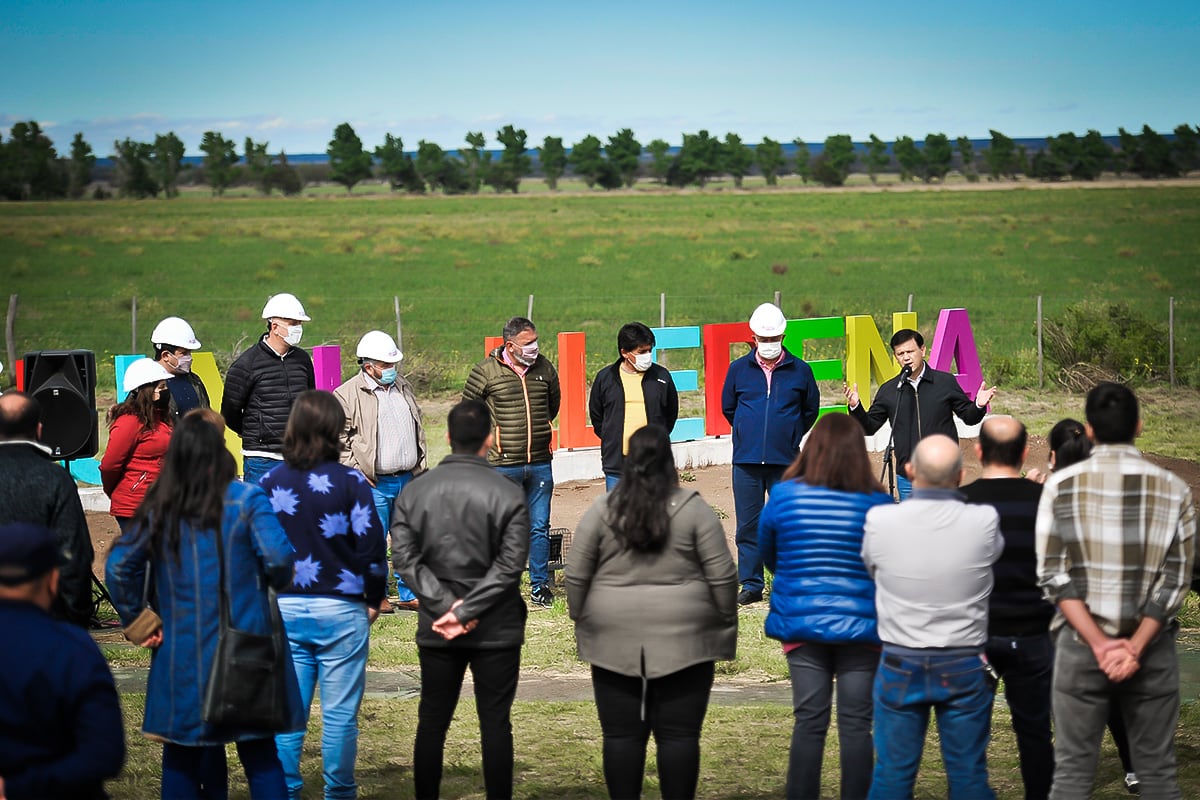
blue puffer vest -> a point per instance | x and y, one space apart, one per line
810 537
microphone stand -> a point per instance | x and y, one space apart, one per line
889 468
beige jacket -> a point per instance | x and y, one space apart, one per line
653 614
360 437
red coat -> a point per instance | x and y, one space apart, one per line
132 461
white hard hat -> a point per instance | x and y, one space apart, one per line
768 320
142 372
175 332
285 306
378 346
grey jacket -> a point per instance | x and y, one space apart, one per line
360 438
667 610
461 530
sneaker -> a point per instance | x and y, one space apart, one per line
542 597
1132 784
748 596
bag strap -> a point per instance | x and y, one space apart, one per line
146 584
224 593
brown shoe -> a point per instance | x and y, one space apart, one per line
386 608
408 605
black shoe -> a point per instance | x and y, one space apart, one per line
748 596
1132 784
542 597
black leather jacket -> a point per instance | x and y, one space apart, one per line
259 389
461 530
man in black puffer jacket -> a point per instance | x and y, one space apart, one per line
460 537
263 382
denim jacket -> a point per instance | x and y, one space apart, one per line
186 595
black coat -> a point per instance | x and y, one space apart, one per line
259 389
461 530
940 398
35 489
606 404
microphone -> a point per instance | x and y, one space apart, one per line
904 373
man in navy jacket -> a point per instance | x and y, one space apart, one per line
61 732
771 399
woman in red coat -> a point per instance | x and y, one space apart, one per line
138 432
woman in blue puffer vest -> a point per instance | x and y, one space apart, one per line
823 601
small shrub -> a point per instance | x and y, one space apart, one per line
1094 340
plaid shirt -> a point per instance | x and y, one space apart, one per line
1118 533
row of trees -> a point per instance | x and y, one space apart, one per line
30 168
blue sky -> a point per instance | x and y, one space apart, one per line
288 73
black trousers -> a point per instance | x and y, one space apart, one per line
672 708
495 674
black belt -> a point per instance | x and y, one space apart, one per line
392 474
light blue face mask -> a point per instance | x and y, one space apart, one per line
388 376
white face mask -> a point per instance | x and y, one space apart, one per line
769 351
294 333
642 361
527 354
183 364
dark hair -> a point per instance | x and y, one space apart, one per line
907 334
19 416
835 456
633 336
1069 443
140 403
196 471
1005 452
314 428
638 506
515 326
1112 411
468 426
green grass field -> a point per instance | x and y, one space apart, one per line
461 265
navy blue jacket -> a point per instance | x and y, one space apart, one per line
810 537
768 426
61 731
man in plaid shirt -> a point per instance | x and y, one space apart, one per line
1115 542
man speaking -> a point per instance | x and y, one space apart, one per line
918 402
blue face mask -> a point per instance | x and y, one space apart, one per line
388 376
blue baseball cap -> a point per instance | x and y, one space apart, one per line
27 552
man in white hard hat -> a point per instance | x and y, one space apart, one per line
771 399
263 381
384 437
174 341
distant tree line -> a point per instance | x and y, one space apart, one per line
31 169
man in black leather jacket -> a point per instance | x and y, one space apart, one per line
460 538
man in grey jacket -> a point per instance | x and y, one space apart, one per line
931 557
460 537
384 437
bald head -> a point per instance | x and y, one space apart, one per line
936 463
1002 442
18 416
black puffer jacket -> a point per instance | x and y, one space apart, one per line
461 530
259 390
522 407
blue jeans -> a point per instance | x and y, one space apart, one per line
954 686
384 492
537 480
611 479
254 467
328 638
751 483
813 668
199 773
903 487
1026 663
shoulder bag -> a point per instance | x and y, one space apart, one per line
247 686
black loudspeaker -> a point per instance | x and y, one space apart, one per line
64 384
